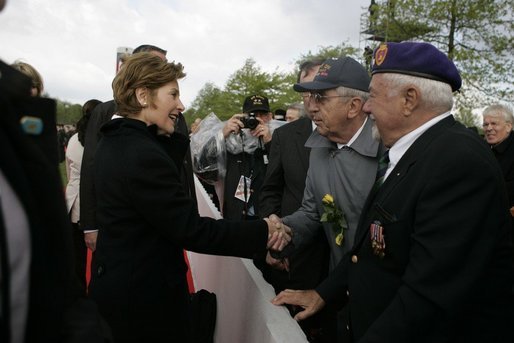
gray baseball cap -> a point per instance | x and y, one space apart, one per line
335 72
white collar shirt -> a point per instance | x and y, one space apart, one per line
354 137
404 143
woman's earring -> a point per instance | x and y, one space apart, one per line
144 104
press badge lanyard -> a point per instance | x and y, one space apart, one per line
264 155
246 181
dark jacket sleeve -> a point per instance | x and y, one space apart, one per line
333 289
158 195
273 186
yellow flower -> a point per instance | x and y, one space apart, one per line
332 214
328 199
339 239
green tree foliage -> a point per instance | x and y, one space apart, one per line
466 117
387 22
251 79
330 51
68 113
209 99
248 80
476 35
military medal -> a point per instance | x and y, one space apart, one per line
376 231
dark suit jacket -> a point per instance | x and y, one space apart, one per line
447 271
145 221
281 194
101 115
29 162
252 166
504 153
186 167
282 190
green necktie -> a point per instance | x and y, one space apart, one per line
383 164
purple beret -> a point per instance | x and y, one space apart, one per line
416 59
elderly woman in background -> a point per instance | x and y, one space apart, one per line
30 71
145 218
74 153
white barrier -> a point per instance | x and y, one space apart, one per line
245 313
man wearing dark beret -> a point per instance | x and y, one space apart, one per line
432 256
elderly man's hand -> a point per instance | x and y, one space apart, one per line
279 235
282 264
309 300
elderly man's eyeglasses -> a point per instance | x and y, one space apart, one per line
492 124
319 98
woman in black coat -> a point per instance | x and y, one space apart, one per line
144 216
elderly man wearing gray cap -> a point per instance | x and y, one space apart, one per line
432 257
343 158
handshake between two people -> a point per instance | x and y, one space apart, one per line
309 301
279 234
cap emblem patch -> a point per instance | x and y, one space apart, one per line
324 69
380 54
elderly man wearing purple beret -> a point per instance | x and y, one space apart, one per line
432 256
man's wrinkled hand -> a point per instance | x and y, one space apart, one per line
279 235
309 300
282 264
276 220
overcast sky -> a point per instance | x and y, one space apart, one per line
73 43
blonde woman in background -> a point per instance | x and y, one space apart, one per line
37 81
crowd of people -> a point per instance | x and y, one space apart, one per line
373 213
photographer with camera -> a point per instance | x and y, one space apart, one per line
256 115
247 138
